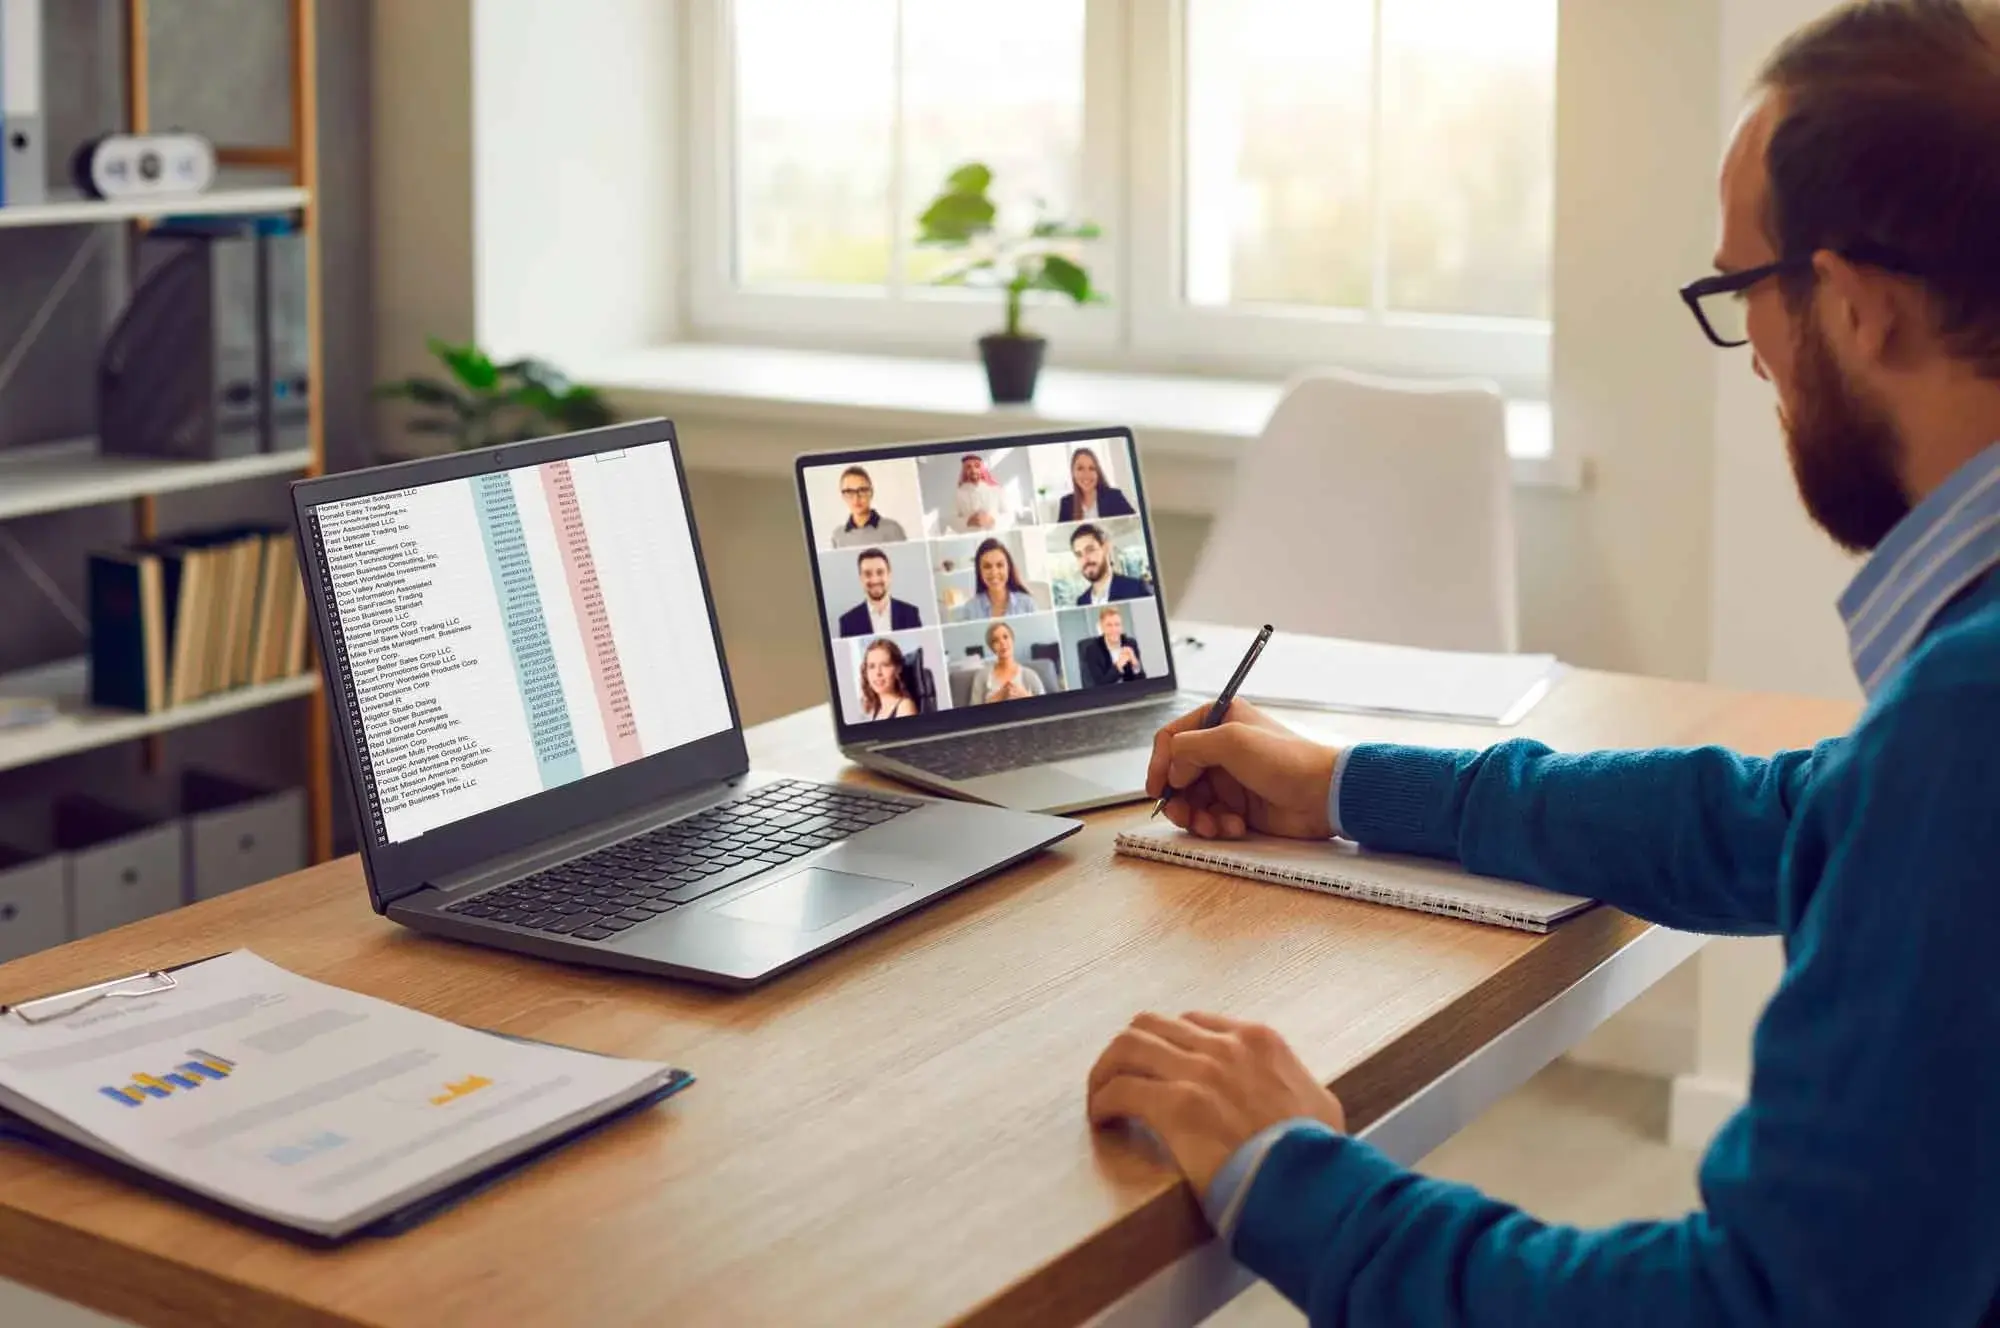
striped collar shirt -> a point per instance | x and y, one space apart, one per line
1946 543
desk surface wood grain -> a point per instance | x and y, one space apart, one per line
893 1134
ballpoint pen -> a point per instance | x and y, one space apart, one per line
1220 709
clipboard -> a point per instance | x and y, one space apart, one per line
412 1215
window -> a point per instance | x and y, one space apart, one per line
1281 182
848 117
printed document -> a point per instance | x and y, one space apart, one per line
307 1105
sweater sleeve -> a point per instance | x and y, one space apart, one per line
1690 839
1861 1184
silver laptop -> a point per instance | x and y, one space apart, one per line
537 726
991 615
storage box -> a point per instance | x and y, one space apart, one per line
239 834
123 866
34 902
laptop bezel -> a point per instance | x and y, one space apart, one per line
916 728
397 870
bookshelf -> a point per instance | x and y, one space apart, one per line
77 210
70 473
53 477
81 727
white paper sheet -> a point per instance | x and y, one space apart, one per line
299 1102
1363 677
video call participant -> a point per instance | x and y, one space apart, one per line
999 593
1006 678
877 613
1110 656
882 695
980 503
864 524
1093 551
1089 497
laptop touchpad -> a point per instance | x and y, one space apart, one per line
811 899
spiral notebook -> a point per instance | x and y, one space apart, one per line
1337 867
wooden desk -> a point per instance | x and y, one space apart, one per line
893 1134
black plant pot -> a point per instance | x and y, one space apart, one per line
1012 365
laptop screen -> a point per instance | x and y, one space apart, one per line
983 576
514 631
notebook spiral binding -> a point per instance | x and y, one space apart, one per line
1327 882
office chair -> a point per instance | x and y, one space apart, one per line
1370 509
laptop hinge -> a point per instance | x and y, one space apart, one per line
561 848
1142 703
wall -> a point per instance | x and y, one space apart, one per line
421 100
517 207
1618 578
1776 577
573 179
1775 581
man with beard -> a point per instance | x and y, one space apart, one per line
1103 582
1860 262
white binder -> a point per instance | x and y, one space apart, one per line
24 164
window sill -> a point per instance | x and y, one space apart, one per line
1173 417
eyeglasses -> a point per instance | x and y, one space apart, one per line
1721 303
858 493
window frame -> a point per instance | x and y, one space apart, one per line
831 316
1132 184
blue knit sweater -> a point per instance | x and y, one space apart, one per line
1861 1185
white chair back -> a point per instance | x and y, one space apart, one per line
1369 509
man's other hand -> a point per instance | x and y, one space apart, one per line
1249 773
1205 1085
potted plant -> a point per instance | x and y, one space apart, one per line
486 403
1038 258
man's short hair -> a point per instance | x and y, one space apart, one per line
858 473
866 554
1087 529
1108 611
1888 141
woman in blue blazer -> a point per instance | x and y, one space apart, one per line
1089 497
997 589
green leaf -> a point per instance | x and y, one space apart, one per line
975 177
469 364
1060 274
583 408
534 399
574 408
961 275
538 373
425 392
955 219
1067 230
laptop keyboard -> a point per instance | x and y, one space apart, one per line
995 751
595 897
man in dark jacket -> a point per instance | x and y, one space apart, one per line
1110 656
877 614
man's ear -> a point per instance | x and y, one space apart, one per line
1863 309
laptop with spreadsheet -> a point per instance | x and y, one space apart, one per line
536 721
991 615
